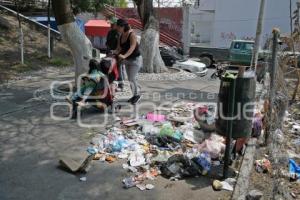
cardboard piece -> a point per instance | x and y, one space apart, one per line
76 163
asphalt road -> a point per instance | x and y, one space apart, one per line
30 142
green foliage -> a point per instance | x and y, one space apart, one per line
89 5
122 3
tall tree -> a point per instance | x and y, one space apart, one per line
121 3
152 60
79 44
93 6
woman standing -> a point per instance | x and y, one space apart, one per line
129 53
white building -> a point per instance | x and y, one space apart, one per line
215 23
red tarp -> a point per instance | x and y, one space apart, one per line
97 28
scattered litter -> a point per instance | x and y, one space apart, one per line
226 186
296 129
149 186
92 150
173 179
130 123
204 161
217 185
257 125
169 144
110 159
136 159
155 117
98 156
129 182
130 168
231 181
142 187
263 166
216 163
214 146
296 142
294 169
83 179
293 195
123 156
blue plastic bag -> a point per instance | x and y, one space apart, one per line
294 168
204 160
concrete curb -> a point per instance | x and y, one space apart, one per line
241 188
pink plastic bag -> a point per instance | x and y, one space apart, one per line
155 117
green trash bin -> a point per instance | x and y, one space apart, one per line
244 103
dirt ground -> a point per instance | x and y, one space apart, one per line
278 177
35 47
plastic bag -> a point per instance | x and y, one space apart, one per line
214 146
204 160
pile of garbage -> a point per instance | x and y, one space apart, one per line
169 144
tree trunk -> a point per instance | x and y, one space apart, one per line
79 44
21 35
152 61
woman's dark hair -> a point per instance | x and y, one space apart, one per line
93 65
105 66
123 23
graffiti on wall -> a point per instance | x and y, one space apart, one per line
171 25
229 36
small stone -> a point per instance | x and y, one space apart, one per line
254 195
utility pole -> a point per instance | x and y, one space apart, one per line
291 19
276 34
258 35
49 30
186 29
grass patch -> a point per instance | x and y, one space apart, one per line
21 68
59 62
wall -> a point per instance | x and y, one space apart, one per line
202 20
237 19
170 19
202 23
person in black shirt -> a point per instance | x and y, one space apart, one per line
129 53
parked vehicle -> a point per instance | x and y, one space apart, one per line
171 57
240 53
192 66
